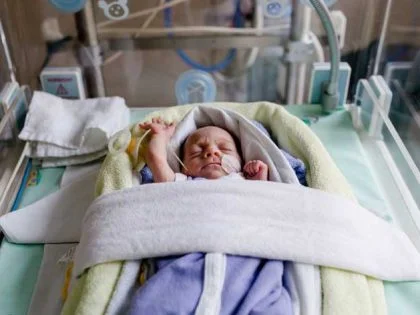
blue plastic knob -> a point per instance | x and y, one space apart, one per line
195 86
68 6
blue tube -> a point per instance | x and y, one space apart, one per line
237 21
22 186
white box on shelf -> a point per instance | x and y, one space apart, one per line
65 82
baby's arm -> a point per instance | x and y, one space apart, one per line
256 170
156 155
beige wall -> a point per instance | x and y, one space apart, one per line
365 19
405 14
26 47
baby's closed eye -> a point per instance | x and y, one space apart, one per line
195 154
226 147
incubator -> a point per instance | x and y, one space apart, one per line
352 82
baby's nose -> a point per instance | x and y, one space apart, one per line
213 151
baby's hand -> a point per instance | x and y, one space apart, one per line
156 155
256 170
159 127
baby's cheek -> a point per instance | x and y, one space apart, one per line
193 168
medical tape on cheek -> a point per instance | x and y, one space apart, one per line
230 164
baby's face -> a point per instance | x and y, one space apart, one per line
203 152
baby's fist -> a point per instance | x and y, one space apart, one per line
256 170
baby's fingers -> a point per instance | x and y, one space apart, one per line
256 167
248 168
145 125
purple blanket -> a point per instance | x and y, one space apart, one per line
251 286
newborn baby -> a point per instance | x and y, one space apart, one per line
251 285
209 152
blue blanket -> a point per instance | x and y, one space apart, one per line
251 286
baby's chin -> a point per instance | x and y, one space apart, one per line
213 175
209 174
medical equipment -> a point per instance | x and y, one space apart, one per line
330 95
66 82
319 74
259 36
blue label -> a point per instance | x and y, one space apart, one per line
62 85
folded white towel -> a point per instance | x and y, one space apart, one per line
63 128
73 160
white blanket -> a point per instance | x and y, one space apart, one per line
261 219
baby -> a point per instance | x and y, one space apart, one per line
209 152
250 284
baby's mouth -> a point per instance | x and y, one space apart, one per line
212 165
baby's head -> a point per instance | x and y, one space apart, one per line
203 151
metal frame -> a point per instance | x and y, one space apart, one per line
87 31
301 19
11 189
194 42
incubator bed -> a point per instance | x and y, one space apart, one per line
371 174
